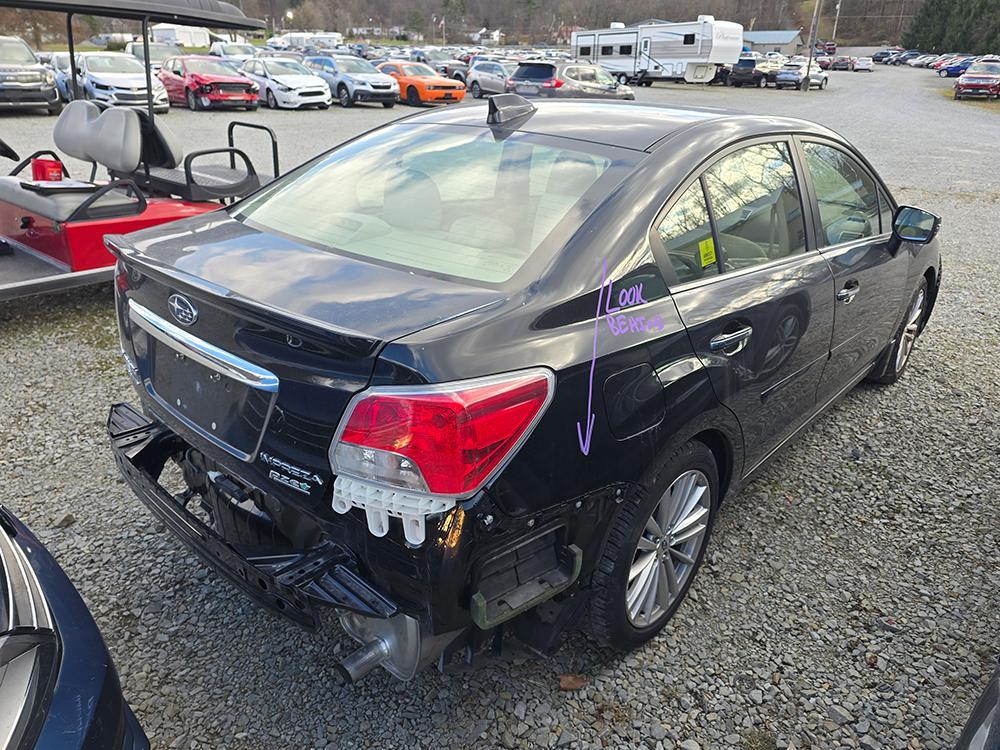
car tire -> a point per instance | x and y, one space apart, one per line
956 96
900 349
476 91
647 84
943 73
388 105
272 103
689 475
192 100
762 83
823 84
55 108
622 79
344 95
413 97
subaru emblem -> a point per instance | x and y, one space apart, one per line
182 309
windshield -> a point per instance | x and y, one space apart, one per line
60 61
16 52
113 64
237 49
286 68
157 52
984 69
746 63
211 68
418 69
450 200
434 55
354 65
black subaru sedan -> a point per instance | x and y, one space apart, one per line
496 369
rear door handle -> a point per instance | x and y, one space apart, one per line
848 293
733 342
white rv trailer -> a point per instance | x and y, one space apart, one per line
692 51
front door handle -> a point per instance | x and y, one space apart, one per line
848 293
731 343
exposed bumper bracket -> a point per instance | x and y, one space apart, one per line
287 584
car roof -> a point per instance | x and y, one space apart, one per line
634 126
622 124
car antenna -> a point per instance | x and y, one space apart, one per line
505 109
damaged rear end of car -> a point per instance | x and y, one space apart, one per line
277 438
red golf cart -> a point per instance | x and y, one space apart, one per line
52 224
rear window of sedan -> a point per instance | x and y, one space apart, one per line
447 200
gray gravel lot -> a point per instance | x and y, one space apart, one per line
851 598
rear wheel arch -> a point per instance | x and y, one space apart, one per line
721 447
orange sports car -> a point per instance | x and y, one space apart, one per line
420 84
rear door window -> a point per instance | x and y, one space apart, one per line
686 234
757 206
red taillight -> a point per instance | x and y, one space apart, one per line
553 83
510 81
445 439
121 277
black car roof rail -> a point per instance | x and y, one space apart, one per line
505 108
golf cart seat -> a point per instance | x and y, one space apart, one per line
109 138
166 170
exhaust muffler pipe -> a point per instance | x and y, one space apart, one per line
357 664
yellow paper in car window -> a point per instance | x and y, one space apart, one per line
707 249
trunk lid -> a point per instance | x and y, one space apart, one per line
282 336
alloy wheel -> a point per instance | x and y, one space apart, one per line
909 336
668 549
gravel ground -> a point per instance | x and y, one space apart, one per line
850 596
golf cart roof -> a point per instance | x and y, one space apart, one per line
212 13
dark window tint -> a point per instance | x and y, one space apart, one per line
584 51
848 201
689 39
625 49
755 199
607 51
535 72
686 234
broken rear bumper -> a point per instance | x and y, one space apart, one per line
288 584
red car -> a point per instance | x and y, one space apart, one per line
204 82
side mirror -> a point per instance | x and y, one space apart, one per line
915 225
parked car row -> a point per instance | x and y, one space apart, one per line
978 76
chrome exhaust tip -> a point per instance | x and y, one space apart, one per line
360 662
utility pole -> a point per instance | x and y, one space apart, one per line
836 21
813 31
